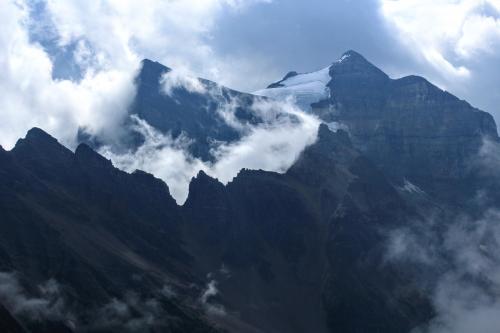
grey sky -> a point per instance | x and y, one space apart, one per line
307 35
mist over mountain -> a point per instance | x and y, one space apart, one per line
341 200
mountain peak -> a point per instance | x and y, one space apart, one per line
91 158
151 71
204 188
352 55
331 138
40 139
41 147
36 134
203 178
353 63
151 64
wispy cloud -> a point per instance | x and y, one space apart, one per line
459 264
48 304
272 146
108 39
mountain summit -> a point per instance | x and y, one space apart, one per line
409 127
310 88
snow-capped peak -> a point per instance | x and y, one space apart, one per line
309 88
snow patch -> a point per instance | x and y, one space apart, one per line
305 89
344 57
411 188
335 126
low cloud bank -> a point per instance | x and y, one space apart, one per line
460 266
47 304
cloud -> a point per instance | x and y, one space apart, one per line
272 146
460 267
489 156
176 79
49 304
132 313
31 97
466 28
459 50
210 292
102 43
160 155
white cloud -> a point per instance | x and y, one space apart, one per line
111 37
174 32
479 34
446 33
31 97
49 304
211 307
272 146
460 266
175 79
162 156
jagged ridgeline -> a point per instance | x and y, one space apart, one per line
86 247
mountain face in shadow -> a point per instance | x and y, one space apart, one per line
8 323
275 245
408 127
85 247
203 111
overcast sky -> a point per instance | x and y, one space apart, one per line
68 63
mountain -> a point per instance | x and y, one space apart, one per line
86 247
102 234
205 113
198 114
8 323
275 246
308 244
412 130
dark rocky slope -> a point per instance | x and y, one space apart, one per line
8 323
286 252
307 245
97 231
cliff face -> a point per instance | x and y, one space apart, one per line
308 244
197 112
274 246
408 127
100 233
